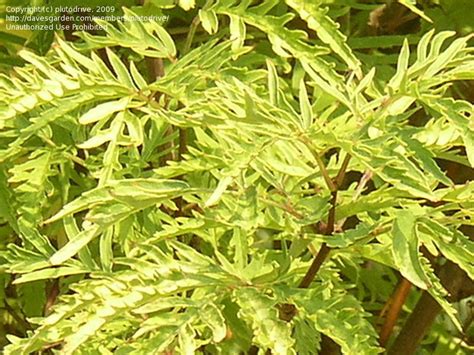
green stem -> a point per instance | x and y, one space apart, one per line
327 179
191 33
193 28
21 322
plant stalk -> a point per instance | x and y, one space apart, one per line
393 308
324 250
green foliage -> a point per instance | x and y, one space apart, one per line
181 213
